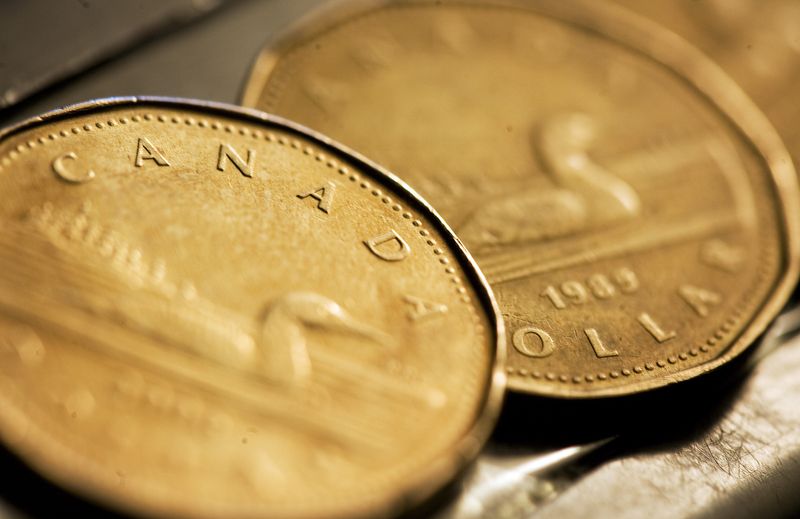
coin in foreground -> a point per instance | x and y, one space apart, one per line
633 211
206 313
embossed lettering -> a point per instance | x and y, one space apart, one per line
547 345
575 291
597 345
60 169
421 308
699 299
721 255
597 286
626 280
227 153
379 246
654 329
323 195
146 151
554 296
601 286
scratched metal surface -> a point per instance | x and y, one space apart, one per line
746 463
730 448
733 449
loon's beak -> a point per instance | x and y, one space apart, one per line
344 323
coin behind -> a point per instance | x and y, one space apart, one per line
756 43
634 213
207 312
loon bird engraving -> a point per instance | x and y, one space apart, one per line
586 195
285 326
92 284
118 282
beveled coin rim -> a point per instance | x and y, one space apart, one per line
677 57
437 473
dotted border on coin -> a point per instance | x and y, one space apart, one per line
332 164
705 347
268 136
271 96
701 348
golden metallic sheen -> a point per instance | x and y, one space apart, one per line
634 213
209 313
757 42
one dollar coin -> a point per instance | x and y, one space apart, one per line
207 312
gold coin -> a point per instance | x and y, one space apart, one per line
757 42
633 211
208 312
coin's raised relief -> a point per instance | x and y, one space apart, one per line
207 312
634 212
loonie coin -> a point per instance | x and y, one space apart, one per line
634 213
757 42
207 312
